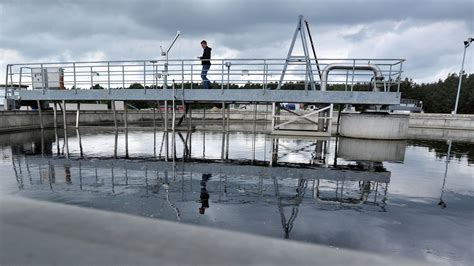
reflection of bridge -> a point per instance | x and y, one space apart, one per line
173 180
339 173
362 185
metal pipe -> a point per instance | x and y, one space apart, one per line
336 66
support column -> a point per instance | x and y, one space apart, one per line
112 104
55 115
40 114
78 112
166 132
125 119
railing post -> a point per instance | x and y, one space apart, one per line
228 64
74 70
108 76
43 86
389 78
165 76
19 78
11 78
182 77
399 76
123 77
6 87
347 79
192 75
264 75
353 73
92 79
144 77
222 76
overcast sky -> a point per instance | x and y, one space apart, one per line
429 34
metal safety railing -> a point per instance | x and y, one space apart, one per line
224 74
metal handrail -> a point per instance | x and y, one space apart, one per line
226 73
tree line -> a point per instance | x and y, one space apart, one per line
440 97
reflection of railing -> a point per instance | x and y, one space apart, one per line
227 73
236 168
350 194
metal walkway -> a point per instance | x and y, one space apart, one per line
345 81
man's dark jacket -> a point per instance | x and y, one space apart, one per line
206 55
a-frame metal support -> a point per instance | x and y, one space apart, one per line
298 59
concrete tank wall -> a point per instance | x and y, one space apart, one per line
421 126
445 121
374 126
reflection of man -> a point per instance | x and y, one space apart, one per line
204 194
67 172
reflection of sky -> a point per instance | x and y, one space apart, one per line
413 224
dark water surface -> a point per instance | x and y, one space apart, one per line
388 197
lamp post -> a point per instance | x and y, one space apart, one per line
466 44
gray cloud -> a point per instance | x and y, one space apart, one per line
420 31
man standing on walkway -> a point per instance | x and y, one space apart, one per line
206 63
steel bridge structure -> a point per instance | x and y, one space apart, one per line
371 82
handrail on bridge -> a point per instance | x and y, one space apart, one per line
226 73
